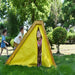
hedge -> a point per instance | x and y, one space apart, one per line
71 37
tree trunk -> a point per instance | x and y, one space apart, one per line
33 14
58 50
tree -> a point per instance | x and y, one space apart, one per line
68 10
12 25
32 9
4 5
3 9
55 14
8 15
59 36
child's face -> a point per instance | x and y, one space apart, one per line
39 35
22 31
5 33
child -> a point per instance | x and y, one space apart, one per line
39 42
19 37
3 43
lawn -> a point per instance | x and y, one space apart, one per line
65 66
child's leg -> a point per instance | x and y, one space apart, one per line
15 45
1 51
39 56
6 50
14 48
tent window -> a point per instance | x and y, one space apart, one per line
39 44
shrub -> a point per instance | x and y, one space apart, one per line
59 36
8 39
71 37
12 42
49 29
50 38
72 30
0 39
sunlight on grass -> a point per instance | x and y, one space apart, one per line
65 66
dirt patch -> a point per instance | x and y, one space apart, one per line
64 49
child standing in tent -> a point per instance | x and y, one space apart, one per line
3 43
19 37
39 42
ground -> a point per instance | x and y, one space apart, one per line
65 64
64 49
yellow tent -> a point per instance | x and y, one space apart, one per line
26 53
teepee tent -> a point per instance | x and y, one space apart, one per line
26 53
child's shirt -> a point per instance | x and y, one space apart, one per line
2 42
17 39
39 43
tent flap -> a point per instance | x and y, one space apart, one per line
26 53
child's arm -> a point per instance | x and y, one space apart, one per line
6 42
20 38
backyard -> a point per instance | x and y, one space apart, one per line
66 49
65 64
21 21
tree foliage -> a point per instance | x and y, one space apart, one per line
68 9
3 9
32 9
55 14
12 25
59 36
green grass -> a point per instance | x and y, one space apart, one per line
0 39
65 66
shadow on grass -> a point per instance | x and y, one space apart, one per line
65 66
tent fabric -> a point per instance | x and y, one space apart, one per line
26 53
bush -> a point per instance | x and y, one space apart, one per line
12 42
72 30
71 37
59 36
50 38
49 29
8 39
0 39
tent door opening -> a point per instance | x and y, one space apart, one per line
39 47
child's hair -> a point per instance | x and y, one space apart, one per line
4 31
21 28
40 33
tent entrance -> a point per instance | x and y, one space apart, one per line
39 47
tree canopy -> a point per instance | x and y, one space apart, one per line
32 9
52 12
68 10
55 14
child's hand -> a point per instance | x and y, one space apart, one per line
7 43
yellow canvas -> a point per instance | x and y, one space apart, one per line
26 53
